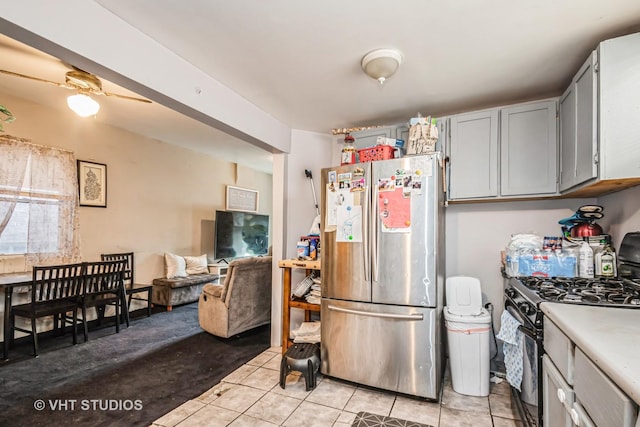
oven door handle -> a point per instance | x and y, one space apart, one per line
515 313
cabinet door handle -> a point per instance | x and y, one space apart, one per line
575 417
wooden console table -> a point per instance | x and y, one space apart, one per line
289 302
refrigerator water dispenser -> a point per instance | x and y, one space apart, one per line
468 327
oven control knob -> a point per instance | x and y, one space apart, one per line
510 292
526 309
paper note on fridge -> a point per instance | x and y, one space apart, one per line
331 219
349 218
395 211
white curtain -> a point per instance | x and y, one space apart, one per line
38 203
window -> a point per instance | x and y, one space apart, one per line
38 199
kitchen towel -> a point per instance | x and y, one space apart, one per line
513 348
308 332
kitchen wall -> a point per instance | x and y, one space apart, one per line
477 232
312 151
622 213
160 197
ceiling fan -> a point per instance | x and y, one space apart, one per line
80 80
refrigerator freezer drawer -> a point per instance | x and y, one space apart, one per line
388 347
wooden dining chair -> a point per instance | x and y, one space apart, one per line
103 286
134 291
54 292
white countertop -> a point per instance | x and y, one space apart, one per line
610 337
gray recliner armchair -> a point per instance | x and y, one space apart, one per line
242 302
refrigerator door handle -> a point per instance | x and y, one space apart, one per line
375 217
417 317
365 243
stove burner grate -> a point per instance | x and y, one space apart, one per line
599 291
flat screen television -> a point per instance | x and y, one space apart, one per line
240 234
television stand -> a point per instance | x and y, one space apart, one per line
220 268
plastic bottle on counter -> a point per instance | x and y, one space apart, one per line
597 258
608 262
585 261
512 263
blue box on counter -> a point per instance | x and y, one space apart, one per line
548 265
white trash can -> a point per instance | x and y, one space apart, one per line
468 345
468 327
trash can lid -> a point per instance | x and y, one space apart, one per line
463 295
484 317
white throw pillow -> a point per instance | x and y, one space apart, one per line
197 264
175 266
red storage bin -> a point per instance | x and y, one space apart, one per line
379 152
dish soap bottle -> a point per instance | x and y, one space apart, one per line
608 262
597 258
585 261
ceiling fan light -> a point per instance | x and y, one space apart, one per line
83 105
381 64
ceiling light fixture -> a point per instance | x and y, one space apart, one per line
83 105
380 64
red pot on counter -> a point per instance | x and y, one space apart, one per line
586 229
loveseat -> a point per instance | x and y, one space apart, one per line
180 290
242 302
183 281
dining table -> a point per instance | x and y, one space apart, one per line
11 283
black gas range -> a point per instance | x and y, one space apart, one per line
524 294
522 299
611 292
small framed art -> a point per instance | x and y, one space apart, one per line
242 199
92 184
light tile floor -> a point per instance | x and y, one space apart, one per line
252 396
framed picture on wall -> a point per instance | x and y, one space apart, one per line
92 184
242 199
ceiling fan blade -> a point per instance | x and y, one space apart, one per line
11 73
130 98
76 85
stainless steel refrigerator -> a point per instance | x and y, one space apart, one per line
382 271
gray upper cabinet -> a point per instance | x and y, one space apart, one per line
528 149
578 128
368 137
568 139
502 153
402 132
619 92
599 126
473 152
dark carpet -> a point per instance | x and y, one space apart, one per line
366 419
126 379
